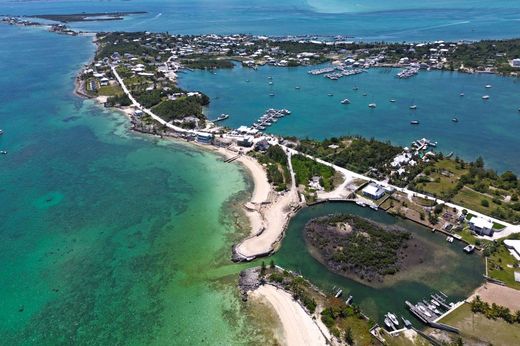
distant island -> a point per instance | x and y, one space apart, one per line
85 17
361 249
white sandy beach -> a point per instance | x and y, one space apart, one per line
299 328
267 210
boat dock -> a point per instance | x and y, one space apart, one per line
270 117
430 310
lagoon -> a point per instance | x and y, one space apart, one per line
446 267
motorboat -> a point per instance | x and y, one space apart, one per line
414 122
345 102
372 105
393 318
469 249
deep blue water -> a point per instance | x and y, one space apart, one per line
410 20
485 128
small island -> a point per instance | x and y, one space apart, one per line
361 249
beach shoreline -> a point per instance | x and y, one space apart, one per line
298 326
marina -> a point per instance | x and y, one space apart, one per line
434 114
269 117
407 72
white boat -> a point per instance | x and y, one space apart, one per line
461 94
423 310
469 248
393 318
414 122
3 152
449 239
389 323
331 94
392 100
485 97
488 86
345 102
361 204
1 132
270 83
413 107
222 117
372 105
339 293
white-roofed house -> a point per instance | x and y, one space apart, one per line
514 247
481 226
373 191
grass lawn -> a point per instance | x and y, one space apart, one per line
110 90
498 267
360 330
497 225
471 199
442 184
477 326
467 235
423 201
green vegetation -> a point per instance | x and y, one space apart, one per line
305 168
354 153
472 186
501 264
476 327
110 43
275 162
205 63
118 100
486 53
349 244
179 108
343 321
494 311
150 99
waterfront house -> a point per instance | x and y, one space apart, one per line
514 247
481 226
204 137
373 191
515 62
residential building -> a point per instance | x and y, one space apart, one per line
481 226
373 191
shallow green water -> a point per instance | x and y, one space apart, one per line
106 237
448 268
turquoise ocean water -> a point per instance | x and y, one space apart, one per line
411 20
107 237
